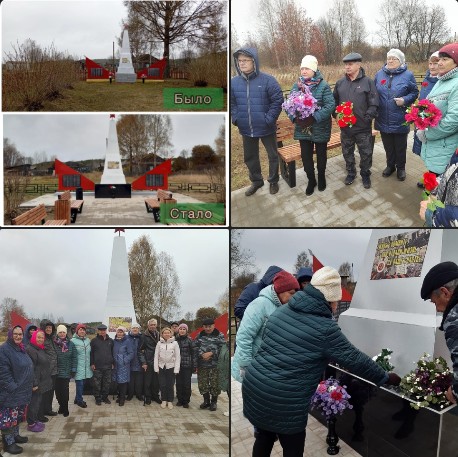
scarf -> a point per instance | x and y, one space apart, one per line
310 82
11 339
33 339
448 75
62 343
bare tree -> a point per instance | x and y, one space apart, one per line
160 130
346 269
222 304
302 261
8 305
221 141
208 312
14 186
133 138
331 40
178 22
241 259
11 156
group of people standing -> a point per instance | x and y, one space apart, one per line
256 103
38 362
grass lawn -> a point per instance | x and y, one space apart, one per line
101 96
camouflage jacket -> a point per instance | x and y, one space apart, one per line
209 343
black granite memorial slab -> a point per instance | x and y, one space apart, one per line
113 191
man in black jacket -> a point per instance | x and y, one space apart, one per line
102 364
146 355
359 89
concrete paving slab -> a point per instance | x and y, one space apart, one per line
388 203
132 430
110 211
242 438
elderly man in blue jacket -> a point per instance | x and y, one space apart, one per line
256 100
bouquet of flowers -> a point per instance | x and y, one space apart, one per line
331 398
430 183
300 104
428 383
345 116
383 358
423 114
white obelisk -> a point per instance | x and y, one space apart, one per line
119 305
112 170
125 73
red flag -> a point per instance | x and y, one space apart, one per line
317 265
221 323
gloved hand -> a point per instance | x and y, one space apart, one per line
393 379
307 122
421 135
399 101
242 373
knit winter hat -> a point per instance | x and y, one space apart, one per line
284 281
135 326
328 281
61 328
183 326
451 50
80 326
309 62
440 274
398 54
435 56
122 328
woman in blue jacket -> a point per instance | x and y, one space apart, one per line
397 90
319 123
123 354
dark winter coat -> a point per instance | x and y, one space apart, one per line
392 84
26 339
41 374
16 376
123 353
450 326
102 352
426 87
136 341
50 346
256 100
148 347
363 94
321 129
66 361
300 339
187 352
447 193
252 290
212 342
224 361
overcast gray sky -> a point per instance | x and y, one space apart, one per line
245 12
82 136
331 246
65 272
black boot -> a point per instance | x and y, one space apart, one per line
206 403
213 403
311 185
18 438
321 182
12 448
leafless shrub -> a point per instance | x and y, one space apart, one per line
13 191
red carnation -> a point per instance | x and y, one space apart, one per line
342 123
383 81
336 395
424 84
347 111
339 109
353 119
430 181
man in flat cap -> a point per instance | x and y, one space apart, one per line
359 89
441 287
102 364
208 346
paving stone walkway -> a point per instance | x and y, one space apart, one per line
133 430
388 203
242 433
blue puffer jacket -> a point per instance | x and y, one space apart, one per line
442 141
249 334
300 339
16 376
137 341
256 100
448 194
392 84
123 353
426 87
252 290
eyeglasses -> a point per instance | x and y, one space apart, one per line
244 60
391 58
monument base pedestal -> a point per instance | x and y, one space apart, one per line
126 77
113 191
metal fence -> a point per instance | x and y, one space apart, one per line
43 188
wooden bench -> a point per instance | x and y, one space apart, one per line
292 152
36 216
153 204
76 206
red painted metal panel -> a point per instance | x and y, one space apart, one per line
61 169
163 169
103 73
160 65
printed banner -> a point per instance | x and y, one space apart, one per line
401 255
115 322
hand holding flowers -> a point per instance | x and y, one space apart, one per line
423 114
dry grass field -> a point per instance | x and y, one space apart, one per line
286 78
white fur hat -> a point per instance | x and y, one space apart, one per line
309 62
61 328
398 54
328 281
